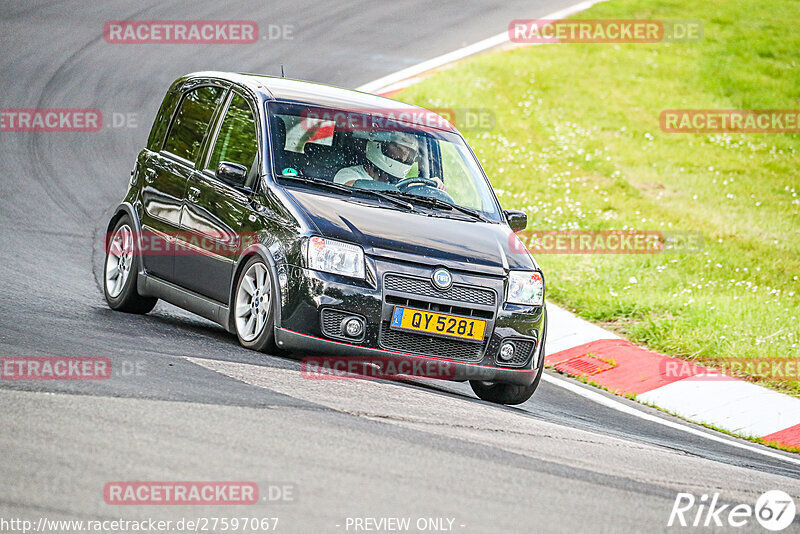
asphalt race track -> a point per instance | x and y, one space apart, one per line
191 404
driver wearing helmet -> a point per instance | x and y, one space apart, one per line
387 161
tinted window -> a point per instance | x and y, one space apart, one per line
237 141
191 122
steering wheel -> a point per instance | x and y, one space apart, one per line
405 183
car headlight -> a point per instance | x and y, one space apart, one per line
335 257
525 287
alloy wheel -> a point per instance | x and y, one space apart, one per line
119 260
252 302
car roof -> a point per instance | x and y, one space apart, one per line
327 96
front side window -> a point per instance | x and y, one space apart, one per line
237 141
191 122
457 174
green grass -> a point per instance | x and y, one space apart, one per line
577 145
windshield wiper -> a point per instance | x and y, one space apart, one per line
328 185
350 190
435 202
383 195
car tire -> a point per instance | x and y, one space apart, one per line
500 393
121 271
253 308
510 394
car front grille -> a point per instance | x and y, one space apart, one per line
425 345
418 292
423 287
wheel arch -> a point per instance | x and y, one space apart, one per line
125 208
257 249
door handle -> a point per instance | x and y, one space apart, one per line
193 194
150 175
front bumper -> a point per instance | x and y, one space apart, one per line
307 294
442 369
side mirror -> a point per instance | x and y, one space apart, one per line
517 220
232 173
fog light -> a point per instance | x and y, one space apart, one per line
506 351
353 327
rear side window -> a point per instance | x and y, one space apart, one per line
237 141
191 122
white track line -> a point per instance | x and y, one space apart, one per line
571 386
608 402
461 53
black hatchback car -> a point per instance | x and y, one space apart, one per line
308 218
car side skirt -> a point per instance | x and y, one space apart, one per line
152 286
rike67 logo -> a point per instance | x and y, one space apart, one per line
774 510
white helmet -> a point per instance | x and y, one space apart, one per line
387 164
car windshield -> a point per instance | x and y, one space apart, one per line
427 167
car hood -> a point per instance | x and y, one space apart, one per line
475 246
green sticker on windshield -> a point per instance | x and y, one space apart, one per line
288 171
